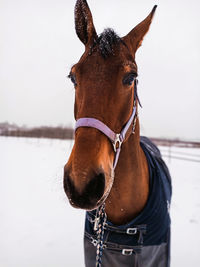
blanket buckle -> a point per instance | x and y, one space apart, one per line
127 252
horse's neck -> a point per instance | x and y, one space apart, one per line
130 189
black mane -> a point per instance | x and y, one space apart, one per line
105 42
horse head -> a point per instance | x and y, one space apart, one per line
104 89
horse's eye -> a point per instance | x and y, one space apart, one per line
129 79
73 78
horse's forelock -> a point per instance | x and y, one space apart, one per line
106 42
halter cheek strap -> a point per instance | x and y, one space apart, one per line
116 138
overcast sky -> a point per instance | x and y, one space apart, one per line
39 45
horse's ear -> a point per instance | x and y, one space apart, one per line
84 23
135 37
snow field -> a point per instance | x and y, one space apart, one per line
38 227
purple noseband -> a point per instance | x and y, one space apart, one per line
116 139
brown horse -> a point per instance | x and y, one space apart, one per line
105 89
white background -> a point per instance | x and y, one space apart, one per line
39 45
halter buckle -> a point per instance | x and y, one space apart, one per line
117 142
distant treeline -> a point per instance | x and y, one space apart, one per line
60 132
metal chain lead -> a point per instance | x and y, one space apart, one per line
100 222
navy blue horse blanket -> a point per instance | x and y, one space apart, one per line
145 241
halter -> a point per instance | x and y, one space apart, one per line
116 138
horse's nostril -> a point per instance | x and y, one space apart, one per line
66 181
89 196
95 187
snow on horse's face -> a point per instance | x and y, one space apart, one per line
103 80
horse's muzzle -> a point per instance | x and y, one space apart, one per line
90 196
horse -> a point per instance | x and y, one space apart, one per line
113 173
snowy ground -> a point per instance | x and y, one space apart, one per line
38 228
